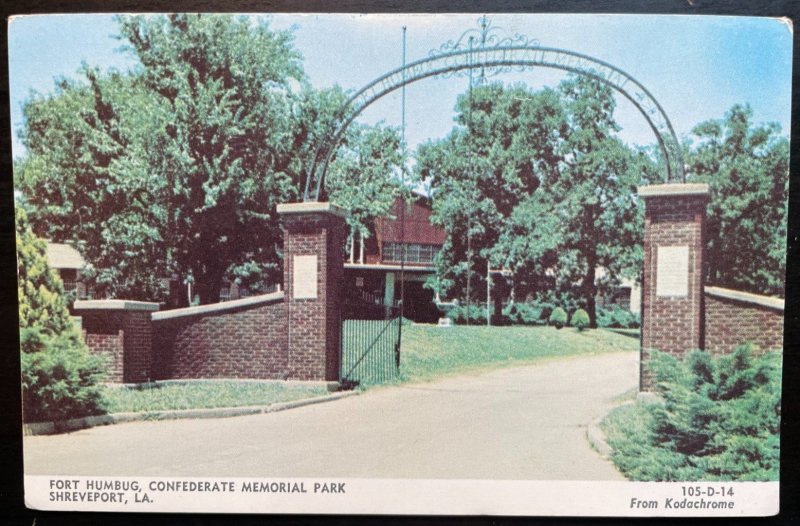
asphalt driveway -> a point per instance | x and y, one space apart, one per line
526 422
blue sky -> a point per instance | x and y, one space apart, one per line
696 67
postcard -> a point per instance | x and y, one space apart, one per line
445 264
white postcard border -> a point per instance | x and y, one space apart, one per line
401 496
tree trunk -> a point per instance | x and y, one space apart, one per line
591 292
207 285
499 292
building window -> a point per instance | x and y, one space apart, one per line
415 252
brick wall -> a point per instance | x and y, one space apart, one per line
334 296
733 318
672 320
314 323
120 330
260 337
237 339
138 345
306 347
110 346
674 323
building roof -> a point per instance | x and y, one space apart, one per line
60 255
416 227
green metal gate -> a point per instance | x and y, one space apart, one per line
370 342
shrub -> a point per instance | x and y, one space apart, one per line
524 313
59 375
719 419
616 317
476 314
60 382
580 319
42 302
558 317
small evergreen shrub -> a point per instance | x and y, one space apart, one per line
719 419
60 377
524 313
580 319
616 317
60 382
475 313
558 318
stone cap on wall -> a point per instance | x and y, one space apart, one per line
114 305
217 307
312 207
673 189
746 297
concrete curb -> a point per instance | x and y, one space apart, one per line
597 438
49 428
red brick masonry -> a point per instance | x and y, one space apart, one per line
686 315
673 324
314 335
120 330
672 321
111 347
236 339
261 337
733 318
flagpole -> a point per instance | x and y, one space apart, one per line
403 181
402 206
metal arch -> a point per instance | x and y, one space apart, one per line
498 59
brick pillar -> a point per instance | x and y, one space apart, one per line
313 272
122 331
672 295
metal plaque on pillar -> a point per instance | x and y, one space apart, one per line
304 277
672 271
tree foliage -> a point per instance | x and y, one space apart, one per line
539 183
747 169
365 176
42 302
176 167
83 184
224 85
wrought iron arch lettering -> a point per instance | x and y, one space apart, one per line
507 55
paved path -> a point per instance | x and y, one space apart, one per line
524 422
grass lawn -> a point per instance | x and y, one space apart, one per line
429 351
196 395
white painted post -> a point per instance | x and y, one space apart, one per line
388 291
352 245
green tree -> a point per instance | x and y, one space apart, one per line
223 84
176 167
592 193
539 182
747 170
364 177
481 172
42 303
85 184
59 376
